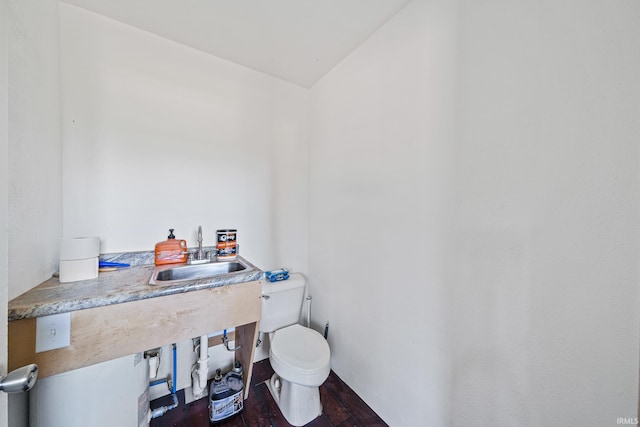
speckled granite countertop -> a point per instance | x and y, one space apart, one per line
113 287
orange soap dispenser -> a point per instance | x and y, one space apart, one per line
171 251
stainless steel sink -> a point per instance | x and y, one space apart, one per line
169 273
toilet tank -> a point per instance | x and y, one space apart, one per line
282 302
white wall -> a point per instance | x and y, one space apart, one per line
289 158
492 270
34 198
381 134
30 187
158 135
543 271
4 199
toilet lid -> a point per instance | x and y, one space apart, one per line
302 348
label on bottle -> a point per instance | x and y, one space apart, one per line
171 252
170 255
224 408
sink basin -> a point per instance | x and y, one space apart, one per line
166 274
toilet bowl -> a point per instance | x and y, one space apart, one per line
299 356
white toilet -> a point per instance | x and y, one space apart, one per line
299 356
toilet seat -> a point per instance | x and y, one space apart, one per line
300 355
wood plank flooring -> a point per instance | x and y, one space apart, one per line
341 407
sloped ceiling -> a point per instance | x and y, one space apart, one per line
295 40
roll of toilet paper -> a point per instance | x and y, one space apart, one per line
79 248
79 258
78 269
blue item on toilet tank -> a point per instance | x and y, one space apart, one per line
277 275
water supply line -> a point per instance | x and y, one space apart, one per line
225 341
171 383
158 382
175 370
158 412
308 325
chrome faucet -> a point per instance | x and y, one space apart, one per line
198 256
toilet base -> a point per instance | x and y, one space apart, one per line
299 404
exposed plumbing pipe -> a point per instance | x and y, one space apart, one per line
158 412
201 369
308 325
175 370
225 341
204 361
171 382
158 382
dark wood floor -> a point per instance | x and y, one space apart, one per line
341 407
